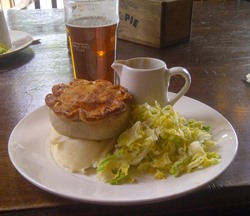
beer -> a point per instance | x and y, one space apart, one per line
93 47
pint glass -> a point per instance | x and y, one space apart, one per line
92 33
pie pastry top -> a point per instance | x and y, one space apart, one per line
83 100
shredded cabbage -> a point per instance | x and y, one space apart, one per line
161 142
3 49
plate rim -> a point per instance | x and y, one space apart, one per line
23 46
122 201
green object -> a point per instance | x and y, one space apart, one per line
160 142
4 49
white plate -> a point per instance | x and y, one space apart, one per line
29 152
19 40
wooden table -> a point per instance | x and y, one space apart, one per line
217 56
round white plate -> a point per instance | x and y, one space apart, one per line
29 152
19 40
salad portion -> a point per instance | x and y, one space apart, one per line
4 49
160 142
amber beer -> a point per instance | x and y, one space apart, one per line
92 50
92 28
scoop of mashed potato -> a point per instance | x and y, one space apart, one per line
76 155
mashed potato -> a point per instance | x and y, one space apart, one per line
76 155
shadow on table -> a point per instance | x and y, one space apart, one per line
16 60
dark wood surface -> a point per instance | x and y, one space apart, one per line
217 56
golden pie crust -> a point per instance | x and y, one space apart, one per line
87 101
92 110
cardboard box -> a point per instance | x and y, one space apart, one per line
155 23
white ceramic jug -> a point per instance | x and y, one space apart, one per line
148 79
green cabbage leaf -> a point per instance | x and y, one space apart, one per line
160 142
3 49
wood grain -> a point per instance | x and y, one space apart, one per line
217 56
155 23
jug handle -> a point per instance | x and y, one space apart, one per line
185 74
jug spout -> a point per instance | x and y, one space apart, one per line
118 66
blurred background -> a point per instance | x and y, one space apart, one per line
44 4
30 4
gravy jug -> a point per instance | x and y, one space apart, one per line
148 80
